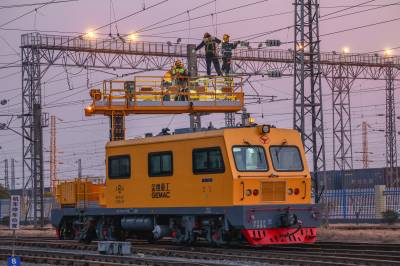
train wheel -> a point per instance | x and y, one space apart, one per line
102 230
217 235
88 231
216 239
118 233
183 236
67 231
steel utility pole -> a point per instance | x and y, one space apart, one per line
6 183
195 119
37 180
391 144
12 174
53 154
307 105
79 162
365 144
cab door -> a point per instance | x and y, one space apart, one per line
119 170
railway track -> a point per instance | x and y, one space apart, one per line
329 253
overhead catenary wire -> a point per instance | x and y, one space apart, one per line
29 12
96 29
350 7
361 27
207 15
360 11
35 4
174 16
322 18
130 15
229 22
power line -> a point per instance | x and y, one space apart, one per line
231 22
10 75
131 15
207 15
29 12
341 6
106 25
350 7
37 4
361 11
361 27
9 45
260 34
175 16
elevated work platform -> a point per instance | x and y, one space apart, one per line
161 95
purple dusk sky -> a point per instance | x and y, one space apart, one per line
84 137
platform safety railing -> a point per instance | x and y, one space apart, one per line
161 90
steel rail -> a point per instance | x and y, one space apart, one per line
306 254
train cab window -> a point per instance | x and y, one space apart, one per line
208 160
119 167
286 158
250 158
160 164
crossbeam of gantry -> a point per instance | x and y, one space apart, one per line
119 54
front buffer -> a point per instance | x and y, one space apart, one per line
277 224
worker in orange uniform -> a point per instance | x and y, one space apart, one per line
179 73
166 83
226 50
210 45
180 77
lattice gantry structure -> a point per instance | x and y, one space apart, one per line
32 122
307 110
40 52
391 132
340 84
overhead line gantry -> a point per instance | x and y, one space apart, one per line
39 52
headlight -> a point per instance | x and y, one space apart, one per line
265 129
248 192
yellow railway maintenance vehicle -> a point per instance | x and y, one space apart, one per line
233 184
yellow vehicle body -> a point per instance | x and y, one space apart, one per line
79 192
186 189
249 183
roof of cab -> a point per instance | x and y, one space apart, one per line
188 136
168 138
